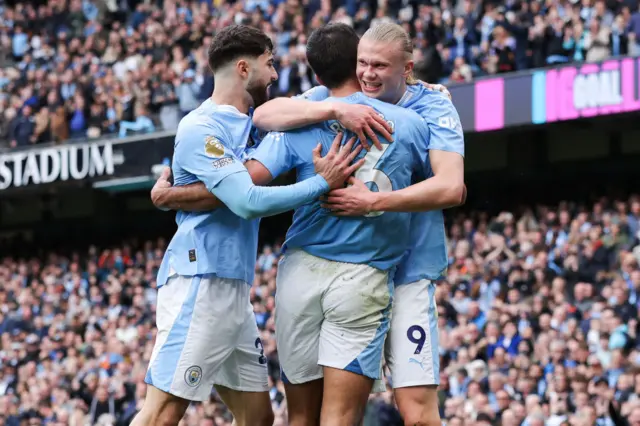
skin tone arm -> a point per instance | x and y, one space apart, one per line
445 189
282 114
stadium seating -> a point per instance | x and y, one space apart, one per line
538 317
83 69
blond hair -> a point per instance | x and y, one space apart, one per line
389 32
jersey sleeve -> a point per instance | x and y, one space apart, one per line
445 129
202 151
318 93
421 137
278 152
249 201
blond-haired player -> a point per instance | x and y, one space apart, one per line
384 70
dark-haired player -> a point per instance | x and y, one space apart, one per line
334 283
384 70
207 333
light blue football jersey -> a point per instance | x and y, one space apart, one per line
379 240
217 242
210 146
317 93
427 254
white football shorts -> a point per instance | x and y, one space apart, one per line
207 334
330 314
411 349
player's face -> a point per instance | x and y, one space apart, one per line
261 76
382 70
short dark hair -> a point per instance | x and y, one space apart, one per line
235 41
332 52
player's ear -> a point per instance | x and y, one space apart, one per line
319 81
408 68
242 67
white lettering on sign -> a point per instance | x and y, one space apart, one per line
60 163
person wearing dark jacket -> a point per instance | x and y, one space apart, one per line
22 128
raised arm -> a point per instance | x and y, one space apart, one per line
282 114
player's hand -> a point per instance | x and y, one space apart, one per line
336 167
364 121
159 189
437 88
354 200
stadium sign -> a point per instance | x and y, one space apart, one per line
95 161
62 163
586 91
562 93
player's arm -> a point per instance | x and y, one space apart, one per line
225 176
444 189
242 197
436 87
275 155
249 201
282 114
196 197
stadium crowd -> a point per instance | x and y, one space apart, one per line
85 68
538 319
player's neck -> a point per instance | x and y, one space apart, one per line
231 93
347 89
401 91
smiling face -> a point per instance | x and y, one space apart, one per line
385 62
383 68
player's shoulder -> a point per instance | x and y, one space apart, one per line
299 134
317 93
391 110
210 120
202 117
423 99
273 137
419 90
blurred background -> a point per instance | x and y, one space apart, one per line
539 311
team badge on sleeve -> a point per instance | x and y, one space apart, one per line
213 147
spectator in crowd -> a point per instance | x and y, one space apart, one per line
143 123
22 128
538 318
188 90
151 57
